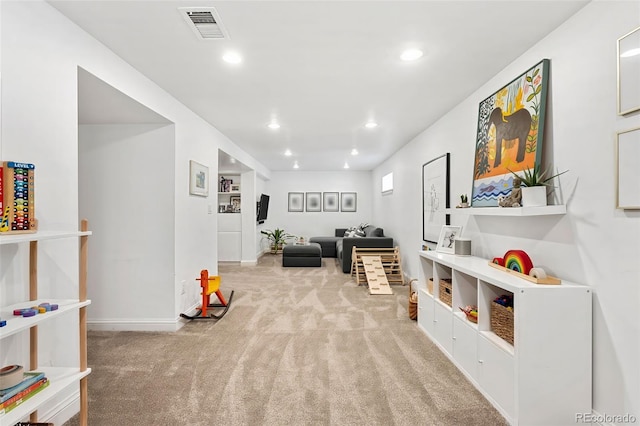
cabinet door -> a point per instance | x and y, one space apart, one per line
465 346
425 311
496 375
443 326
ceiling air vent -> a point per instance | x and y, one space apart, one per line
205 22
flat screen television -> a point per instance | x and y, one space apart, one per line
263 208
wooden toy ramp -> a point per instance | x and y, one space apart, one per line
378 267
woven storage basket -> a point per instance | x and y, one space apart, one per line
430 286
413 306
445 291
502 322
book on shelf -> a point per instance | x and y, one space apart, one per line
22 393
34 389
29 378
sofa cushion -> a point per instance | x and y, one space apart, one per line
372 231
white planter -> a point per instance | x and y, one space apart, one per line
534 196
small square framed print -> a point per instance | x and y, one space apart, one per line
448 234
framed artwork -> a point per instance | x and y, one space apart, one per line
348 201
628 164
296 201
628 71
235 187
509 134
198 179
234 200
435 197
330 202
448 234
313 202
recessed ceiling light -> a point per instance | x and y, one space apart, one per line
411 55
232 58
354 151
371 125
288 153
631 52
273 125
346 165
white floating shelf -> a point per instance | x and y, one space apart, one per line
510 211
40 235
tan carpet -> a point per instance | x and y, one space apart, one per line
299 346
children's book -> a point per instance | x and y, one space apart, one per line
14 404
29 378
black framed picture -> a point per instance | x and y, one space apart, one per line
313 201
348 201
435 197
296 201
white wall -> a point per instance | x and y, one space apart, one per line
39 100
128 196
311 224
593 243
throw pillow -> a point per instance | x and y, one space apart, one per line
351 232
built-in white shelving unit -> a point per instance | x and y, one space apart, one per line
60 378
544 377
510 211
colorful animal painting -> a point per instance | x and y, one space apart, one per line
509 135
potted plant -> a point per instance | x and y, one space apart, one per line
277 238
535 183
464 200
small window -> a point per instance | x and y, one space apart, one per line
387 183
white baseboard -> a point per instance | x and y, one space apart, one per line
136 325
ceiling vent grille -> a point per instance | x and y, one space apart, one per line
205 22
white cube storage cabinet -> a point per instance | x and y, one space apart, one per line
544 377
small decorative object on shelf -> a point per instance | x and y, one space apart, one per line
518 263
464 202
17 198
534 178
514 199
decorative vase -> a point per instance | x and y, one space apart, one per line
534 196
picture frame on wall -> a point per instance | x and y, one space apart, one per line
448 234
348 201
330 202
509 134
198 179
435 197
296 201
313 201
628 54
628 165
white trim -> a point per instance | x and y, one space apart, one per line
135 325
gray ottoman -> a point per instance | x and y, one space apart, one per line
302 255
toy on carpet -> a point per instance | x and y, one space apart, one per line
209 286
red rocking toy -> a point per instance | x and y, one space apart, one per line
209 286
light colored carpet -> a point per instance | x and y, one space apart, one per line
299 346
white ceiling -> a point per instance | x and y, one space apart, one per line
322 69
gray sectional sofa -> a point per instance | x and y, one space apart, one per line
340 246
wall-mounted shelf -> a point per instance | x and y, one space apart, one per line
510 211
